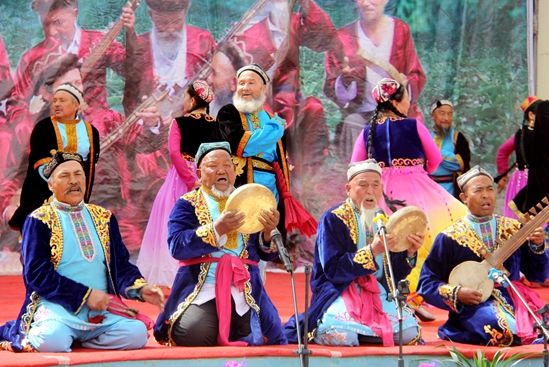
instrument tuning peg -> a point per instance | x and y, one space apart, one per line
533 212
545 201
539 206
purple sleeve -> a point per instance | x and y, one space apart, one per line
360 151
432 153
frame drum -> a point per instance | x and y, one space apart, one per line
251 199
405 221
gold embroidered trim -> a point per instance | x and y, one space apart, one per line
465 236
206 233
182 307
503 338
406 162
262 165
137 284
449 295
84 300
239 164
72 139
101 218
346 214
460 162
365 257
28 316
47 215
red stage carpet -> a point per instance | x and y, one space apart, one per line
279 288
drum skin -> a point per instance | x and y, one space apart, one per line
251 199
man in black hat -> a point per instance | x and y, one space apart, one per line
75 268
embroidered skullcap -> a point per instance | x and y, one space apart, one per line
440 103
205 148
528 101
59 158
72 90
165 6
203 90
356 168
384 90
256 69
472 173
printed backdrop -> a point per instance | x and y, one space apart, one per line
472 52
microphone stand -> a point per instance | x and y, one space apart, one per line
398 294
544 312
302 350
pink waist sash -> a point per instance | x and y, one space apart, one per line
230 271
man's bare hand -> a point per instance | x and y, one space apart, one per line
97 300
377 245
153 295
128 17
150 115
538 236
269 219
417 241
229 222
469 296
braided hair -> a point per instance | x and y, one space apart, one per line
381 108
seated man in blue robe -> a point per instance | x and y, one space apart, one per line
501 320
217 297
350 279
75 267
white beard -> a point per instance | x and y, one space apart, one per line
222 194
249 106
169 45
367 217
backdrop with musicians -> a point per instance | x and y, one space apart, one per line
323 58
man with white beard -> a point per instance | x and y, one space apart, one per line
170 54
217 294
255 136
349 282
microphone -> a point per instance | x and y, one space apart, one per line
276 237
380 219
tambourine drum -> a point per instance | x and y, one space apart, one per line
251 199
405 221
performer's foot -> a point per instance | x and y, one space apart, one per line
423 314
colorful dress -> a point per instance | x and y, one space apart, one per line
407 154
186 135
519 176
343 262
499 321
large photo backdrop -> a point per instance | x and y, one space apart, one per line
472 52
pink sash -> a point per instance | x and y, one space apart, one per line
524 320
118 307
230 270
366 308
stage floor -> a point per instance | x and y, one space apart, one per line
279 288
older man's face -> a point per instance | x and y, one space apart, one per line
365 190
250 86
222 73
168 24
217 170
60 25
443 117
68 183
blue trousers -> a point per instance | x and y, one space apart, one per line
120 333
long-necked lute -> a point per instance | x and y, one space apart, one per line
474 274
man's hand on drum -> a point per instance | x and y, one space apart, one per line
269 219
416 241
377 245
468 296
228 222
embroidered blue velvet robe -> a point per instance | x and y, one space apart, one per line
485 323
42 249
338 239
191 235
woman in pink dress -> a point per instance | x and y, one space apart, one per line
187 132
407 153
